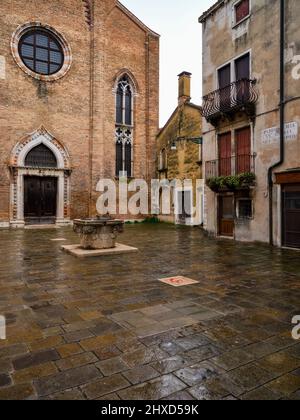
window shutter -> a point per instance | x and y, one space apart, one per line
242 10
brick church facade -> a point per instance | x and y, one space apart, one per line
79 83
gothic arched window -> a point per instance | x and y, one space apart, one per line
124 126
41 157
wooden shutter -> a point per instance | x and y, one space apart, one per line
242 10
243 150
225 154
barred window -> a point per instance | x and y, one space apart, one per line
41 157
123 152
245 208
41 52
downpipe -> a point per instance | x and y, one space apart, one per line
282 120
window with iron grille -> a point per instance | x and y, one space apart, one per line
124 127
41 157
245 208
41 52
123 152
241 10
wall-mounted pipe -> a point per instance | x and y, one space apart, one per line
282 119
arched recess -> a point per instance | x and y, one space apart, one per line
20 169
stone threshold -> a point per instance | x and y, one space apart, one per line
77 251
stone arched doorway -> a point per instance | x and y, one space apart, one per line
40 192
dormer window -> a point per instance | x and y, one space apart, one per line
241 11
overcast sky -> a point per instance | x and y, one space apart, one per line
177 23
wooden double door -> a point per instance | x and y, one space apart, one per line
40 199
291 216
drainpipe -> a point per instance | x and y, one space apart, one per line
282 119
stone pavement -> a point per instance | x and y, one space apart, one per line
108 329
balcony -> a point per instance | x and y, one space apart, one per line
238 96
232 173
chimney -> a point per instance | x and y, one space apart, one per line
184 88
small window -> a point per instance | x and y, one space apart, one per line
41 52
241 10
163 160
245 209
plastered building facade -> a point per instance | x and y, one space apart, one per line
179 157
251 108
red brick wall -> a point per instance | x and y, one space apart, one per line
63 107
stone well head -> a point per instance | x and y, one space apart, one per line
99 232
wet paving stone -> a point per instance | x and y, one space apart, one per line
179 396
250 377
34 372
5 380
111 366
105 386
198 373
233 359
170 364
68 379
154 390
279 363
34 359
285 385
144 356
76 361
69 395
18 392
262 394
140 374
68 318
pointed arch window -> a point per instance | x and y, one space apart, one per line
124 102
124 127
41 157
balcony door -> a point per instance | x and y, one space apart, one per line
224 77
242 75
243 150
225 154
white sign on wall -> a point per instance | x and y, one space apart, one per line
272 135
2 328
2 67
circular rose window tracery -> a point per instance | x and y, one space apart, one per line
41 52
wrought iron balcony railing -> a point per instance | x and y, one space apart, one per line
234 97
234 165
